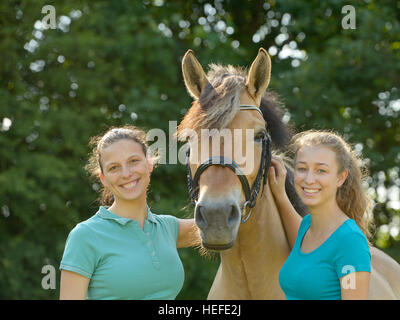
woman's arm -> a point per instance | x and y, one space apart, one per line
290 218
188 234
73 286
355 286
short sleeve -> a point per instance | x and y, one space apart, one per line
171 223
353 255
79 253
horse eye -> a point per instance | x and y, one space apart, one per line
259 136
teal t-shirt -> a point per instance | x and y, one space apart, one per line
316 275
124 261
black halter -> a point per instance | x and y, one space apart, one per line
250 193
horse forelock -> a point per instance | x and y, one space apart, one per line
219 103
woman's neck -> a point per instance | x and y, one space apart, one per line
323 219
133 209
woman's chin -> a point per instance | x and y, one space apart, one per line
309 202
134 196
130 196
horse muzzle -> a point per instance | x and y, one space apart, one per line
218 224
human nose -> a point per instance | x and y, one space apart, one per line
126 171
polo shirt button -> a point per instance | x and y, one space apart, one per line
153 253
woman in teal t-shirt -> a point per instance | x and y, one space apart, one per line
330 257
124 251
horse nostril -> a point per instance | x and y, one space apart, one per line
233 215
199 217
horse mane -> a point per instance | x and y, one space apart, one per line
219 101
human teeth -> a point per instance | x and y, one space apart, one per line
311 190
130 185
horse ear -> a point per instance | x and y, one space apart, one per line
259 75
193 74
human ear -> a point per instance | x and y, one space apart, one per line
150 164
342 177
102 179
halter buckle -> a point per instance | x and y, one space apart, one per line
245 206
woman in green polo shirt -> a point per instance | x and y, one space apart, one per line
124 251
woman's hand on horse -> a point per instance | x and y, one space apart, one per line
277 176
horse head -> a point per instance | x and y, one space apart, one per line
229 133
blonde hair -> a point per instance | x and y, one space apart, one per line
351 196
99 142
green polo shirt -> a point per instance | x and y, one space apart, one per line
124 261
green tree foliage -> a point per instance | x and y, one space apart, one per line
109 63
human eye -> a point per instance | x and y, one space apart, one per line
112 168
321 171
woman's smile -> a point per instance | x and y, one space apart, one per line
130 186
310 192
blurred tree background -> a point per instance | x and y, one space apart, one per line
110 63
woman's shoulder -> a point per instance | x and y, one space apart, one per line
168 224
351 249
350 233
86 227
350 227
165 218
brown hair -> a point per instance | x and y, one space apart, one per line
219 101
98 143
351 196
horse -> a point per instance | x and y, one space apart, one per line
235 212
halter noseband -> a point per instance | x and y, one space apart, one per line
250 193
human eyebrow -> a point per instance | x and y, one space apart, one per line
322 164
316 164
131 157
134 157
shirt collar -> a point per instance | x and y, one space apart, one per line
106 214
150 216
